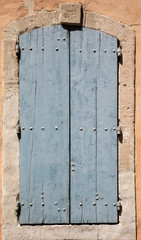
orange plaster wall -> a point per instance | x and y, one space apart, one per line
126 11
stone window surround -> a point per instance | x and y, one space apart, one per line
126 228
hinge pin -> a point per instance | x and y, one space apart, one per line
119 52
18 129
17 50
118 206
18 209
118 130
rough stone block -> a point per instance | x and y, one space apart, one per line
70 14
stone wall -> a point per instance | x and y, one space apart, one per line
127 12
126 229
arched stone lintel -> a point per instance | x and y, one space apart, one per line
70 14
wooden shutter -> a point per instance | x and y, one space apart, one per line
44 107
68 119
93 62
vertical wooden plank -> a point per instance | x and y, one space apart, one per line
27 69
38 142
47 155
106 135
56 118
83 76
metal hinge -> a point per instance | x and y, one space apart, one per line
119 206
118 130
18 209
18 51
18 130
119 52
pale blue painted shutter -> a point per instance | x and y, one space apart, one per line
68 117
44 107
93 76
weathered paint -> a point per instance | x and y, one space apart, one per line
44 106
83 62
128 14
106 132
11 158
93 107
68 87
